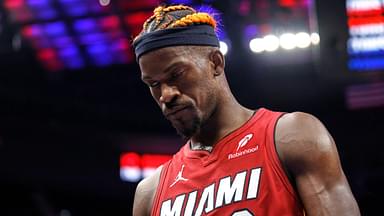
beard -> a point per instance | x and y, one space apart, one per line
187 125
187 129
189 121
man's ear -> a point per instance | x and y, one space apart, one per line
218 61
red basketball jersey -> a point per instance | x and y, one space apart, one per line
242 176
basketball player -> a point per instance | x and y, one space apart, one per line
236 161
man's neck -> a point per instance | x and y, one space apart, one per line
226 118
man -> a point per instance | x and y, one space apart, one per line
236 161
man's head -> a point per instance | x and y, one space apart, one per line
180 62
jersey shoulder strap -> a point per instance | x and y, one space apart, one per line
159 188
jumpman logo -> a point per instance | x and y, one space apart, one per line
179 177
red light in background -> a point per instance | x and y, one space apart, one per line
137 18
123 44
20 13
46 54
13 4
135 21
124 4
149 161
130 167
244 7
355 21
31 31
130 159
53 65
110 22
372 12
287 3
48 58
133 166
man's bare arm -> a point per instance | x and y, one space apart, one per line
145 193
309 153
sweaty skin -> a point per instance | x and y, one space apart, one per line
197 81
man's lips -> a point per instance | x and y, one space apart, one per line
168 113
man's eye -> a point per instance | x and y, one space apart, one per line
175 75
154 84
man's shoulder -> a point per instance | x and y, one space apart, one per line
149 183
300 138
145 193
290 122
299 125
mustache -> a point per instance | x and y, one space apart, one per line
169 109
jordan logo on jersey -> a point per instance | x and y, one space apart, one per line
227 192
243 142
179 177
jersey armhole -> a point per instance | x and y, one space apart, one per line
159 188
274 155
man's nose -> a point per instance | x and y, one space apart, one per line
168 94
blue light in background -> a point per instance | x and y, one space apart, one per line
216 15
250 32
98 8
75 8
38 3
34 30
366 64
100 54
93 38
222 34
208 9
41 43
97 49
120 49
71 57
102 60
55 29
85 25
62 42
46 13
70 1
121 58
181 2
120 44
71 51
366 53
73 63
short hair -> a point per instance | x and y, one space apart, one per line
168 17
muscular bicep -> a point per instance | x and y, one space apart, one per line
309 153
321 183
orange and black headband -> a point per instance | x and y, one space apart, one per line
199 35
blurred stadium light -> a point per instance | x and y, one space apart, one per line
365 95
287 41
134 167
74 34
366 30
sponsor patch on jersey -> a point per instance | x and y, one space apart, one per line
240 151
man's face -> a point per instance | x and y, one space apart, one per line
182 83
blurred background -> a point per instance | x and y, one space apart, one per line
78 129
